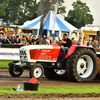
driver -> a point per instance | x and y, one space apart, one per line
66 43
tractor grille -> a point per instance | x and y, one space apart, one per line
22 53
23 56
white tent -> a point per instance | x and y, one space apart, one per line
60 25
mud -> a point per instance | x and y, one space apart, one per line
51 97
7 80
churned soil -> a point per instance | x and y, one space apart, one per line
51 97
7 80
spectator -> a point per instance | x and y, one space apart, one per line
84 43
38 40
44 41
90 43
17 41
94 42
27 38
73 41
9 36
24 41
30 36
59 39
79 41
48 40
44 36
29 42
12 38
6 34
54 40
5 40
96 45
21 37
1 38
84 40
34 40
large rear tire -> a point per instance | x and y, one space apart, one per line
15 72
55 74
82 65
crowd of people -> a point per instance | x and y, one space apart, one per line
6 38
10 39
93 43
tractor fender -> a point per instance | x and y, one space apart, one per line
74 47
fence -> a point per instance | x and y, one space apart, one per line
9 53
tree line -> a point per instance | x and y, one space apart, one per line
19 11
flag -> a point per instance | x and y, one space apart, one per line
54 18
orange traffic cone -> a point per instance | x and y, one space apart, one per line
33 80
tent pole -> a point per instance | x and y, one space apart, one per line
54 19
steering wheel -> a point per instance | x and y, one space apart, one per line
60 44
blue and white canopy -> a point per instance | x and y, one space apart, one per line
60 25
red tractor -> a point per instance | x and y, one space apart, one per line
80 63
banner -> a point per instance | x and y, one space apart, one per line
9 54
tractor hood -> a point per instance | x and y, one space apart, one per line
36 47
47 53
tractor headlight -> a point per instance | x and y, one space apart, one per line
21 58
25 57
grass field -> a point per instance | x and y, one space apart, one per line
4 63
58 90
49 90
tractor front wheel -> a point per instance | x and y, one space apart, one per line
36 71
82 65
15 71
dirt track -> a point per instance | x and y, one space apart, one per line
7 80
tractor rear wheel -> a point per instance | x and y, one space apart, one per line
55 74
82 65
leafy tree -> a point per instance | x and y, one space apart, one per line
11 11
2 10
80 15
13 8
19 11
61 9
51 6
28 10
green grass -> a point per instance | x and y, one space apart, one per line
4 63
58 90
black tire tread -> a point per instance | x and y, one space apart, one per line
71 62
11 70
51 74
